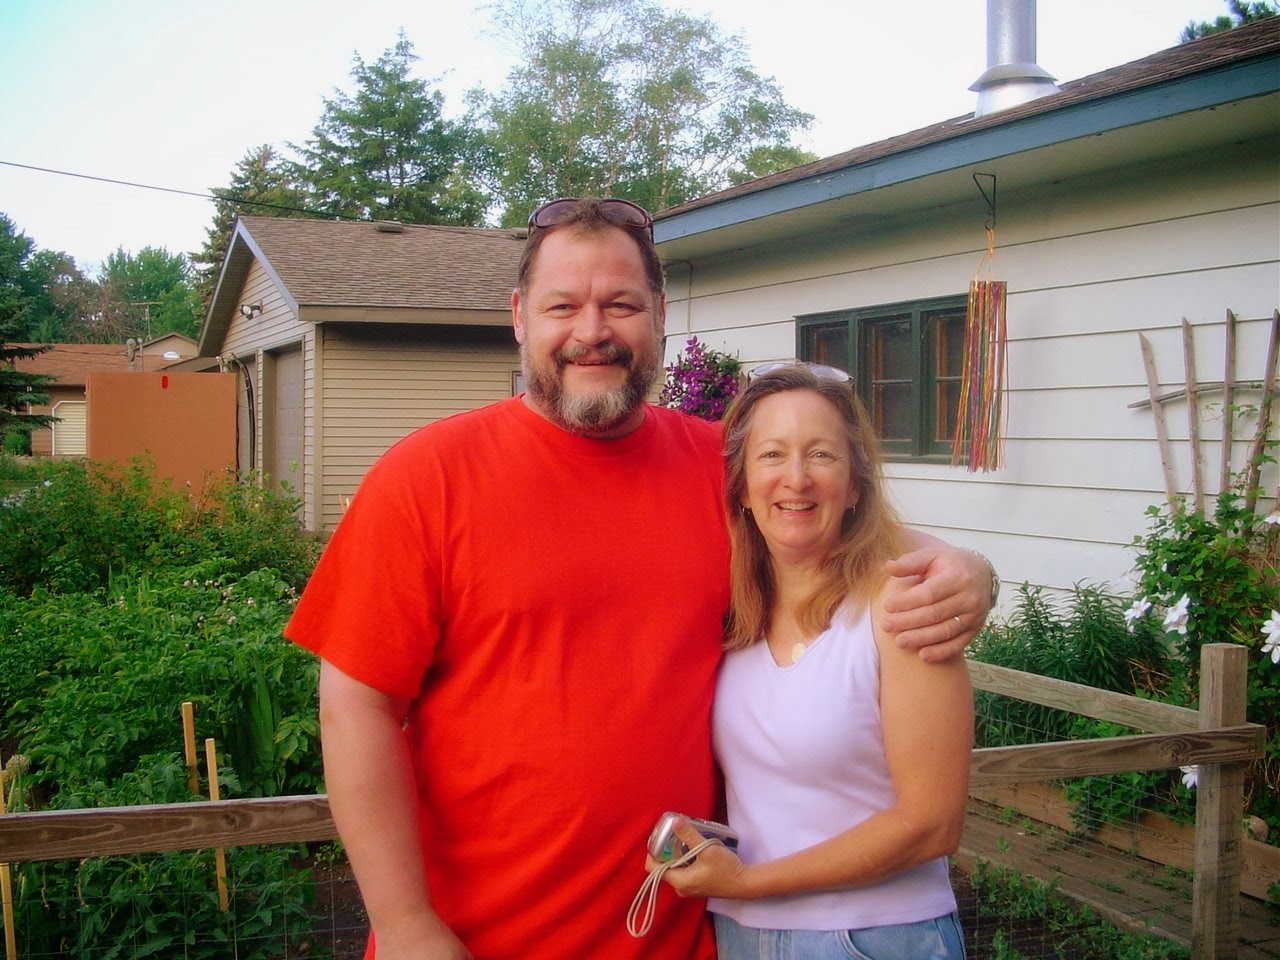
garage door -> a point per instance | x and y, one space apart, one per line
69 430
285 462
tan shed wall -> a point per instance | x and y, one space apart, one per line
249 346
382 383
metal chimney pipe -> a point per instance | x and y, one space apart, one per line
1012 76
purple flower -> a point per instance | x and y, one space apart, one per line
700 382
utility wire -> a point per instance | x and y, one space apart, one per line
185 193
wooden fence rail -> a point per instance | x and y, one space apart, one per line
1215 737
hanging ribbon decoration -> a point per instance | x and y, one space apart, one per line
978 442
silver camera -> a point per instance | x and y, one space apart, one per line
665 845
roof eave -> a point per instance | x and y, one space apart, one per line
242 251
961 147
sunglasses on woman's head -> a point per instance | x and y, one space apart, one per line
819 370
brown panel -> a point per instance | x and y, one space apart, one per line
185 421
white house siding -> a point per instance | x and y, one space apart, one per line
1089 264
421 374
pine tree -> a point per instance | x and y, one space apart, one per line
387 152
1240 14
18 389
261 183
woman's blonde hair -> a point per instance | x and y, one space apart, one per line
870 534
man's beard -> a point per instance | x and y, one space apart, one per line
593 413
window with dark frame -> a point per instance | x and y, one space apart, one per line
906 360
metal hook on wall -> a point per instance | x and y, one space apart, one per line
990 198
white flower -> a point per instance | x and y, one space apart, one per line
1136 612
1125 583
1190 777
1271 635
1271 519
1176 618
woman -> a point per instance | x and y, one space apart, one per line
845 758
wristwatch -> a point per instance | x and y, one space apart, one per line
995 577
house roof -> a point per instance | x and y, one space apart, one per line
71 363
369 266
1190 79
339 263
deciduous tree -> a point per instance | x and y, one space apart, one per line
146 294
624 98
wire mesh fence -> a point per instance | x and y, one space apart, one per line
281 903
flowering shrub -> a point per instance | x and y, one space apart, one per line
701 382
1213 579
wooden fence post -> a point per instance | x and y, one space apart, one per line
1215 907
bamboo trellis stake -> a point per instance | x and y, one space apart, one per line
1157 411
1253 466
219 855
1228 398
6 884
1193 415
189 746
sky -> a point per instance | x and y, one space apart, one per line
173 93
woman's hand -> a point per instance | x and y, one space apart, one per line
717 871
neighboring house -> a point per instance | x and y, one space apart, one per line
1125 202
348 336
70 365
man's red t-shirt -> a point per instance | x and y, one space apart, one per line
552 605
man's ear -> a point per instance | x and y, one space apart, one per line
517 319
660 316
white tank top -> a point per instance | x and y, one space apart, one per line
803 758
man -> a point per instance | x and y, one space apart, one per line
519 621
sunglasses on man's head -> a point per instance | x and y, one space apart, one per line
819 370
622 213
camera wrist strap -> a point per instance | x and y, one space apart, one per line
640 916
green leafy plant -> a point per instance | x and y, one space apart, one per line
1084 639
76 524
125 598
1009 899
1212 578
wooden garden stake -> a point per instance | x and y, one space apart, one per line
189 746
219 855
1162 431
6 886
1193 415
1253 466
1228 398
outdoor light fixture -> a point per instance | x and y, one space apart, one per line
250 310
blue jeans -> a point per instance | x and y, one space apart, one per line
926 940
